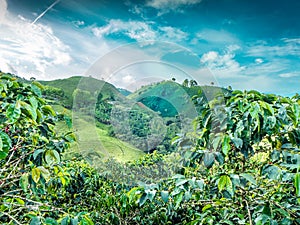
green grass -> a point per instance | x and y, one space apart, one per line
94 141
92 85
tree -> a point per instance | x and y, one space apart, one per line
193 83
82 99
30 155
185 83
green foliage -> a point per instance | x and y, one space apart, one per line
62 90
240 165
31 172
161 105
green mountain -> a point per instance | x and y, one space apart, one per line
62 90
170 98
124 91
147 119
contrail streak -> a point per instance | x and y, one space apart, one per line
43 13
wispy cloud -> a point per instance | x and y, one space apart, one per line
165 6
3 9
136 30
171 33
140 31
43 13
289 75
286 47
224 63
216 36
30 48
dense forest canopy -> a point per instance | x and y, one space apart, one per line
238 163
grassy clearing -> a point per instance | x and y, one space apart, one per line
94 141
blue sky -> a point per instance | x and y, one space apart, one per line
245 44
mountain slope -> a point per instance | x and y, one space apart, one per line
170 98
69 85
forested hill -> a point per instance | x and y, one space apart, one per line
170 98
63 89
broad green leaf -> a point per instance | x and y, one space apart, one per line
33 102
216 142
178 199
51 157
267 106
5 145
219 157
87 221
297 184
249 178
187 195
47 109
24 182
208 206
150 194
200 184
50 221
238 143
143 199
74 221
36 174
45 173
164 196
65 221
273 172
267 210
37 152
225 183
35 221
20 201
226 145
180 182
271 121
63 180
36 90
209 159
133 192
13 112
3 154
1 144
178 176
29 110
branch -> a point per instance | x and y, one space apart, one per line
249 213
11 217
35 202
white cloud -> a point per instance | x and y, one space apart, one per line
3 9
287 47
171 33
6 67
165 6
259 60
209 57
222 64
31 48
136 30
128 79
79 23
216 36
289 75
139 31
